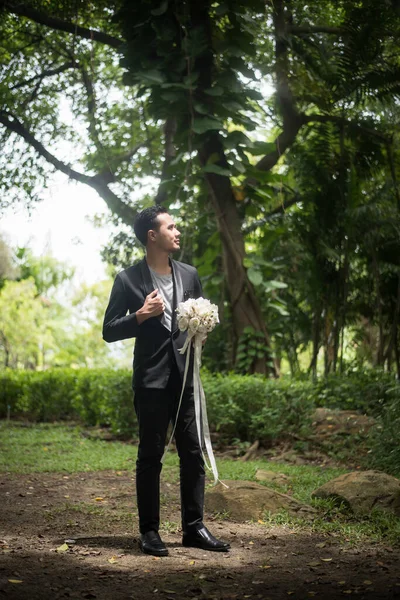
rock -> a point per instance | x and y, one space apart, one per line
246 500
363 491
272 477
327 422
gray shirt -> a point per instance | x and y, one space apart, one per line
165 285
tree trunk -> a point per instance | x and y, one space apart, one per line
245 307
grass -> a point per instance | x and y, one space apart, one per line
38 448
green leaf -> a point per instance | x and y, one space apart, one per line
152 76
161 9
200 108
212 168
279 308
215 91
235 138
274 285
258 148
206 124
255 276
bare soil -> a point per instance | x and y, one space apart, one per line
95 513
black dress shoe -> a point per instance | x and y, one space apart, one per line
151 543
202 538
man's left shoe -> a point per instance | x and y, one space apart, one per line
202 538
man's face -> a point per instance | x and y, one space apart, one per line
166 237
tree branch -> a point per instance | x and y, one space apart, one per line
23 10
44 74
276 211
125 212
312 29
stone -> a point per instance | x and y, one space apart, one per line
247 500
272 477
363 491
327 422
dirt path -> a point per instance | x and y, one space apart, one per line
94 511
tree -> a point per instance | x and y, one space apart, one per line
197 68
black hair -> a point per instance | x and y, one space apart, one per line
146 220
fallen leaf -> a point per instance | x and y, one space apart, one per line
15 581
321 545
314 563
62 548
261 522
45 449
326 559
367 582
99 499
112 560
170 591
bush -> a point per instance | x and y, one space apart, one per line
240 407
249 407
367 391
95 397
383 441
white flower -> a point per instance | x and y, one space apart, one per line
194 324
183 323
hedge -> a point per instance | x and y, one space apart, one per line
92 396
240 407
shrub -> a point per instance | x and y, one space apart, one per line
240 407
367 391
383 440
249 407
96 397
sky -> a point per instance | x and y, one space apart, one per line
60 225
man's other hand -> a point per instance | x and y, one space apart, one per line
153 307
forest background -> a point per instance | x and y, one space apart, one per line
269 130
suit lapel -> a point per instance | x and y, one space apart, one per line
147 283
174 299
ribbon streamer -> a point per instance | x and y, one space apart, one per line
199 403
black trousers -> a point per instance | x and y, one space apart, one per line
155 409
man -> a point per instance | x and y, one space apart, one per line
149 292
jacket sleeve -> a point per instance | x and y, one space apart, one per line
118 325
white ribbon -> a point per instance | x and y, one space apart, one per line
200 407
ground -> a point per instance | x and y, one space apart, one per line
93 513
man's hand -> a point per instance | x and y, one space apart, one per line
152 307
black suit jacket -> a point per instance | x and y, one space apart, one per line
156 348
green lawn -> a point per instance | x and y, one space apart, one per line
37 448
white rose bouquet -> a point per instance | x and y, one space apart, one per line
197 317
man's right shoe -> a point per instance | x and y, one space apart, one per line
151 543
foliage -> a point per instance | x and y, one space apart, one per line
384 452
369 391
25 328
96 397
316 238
